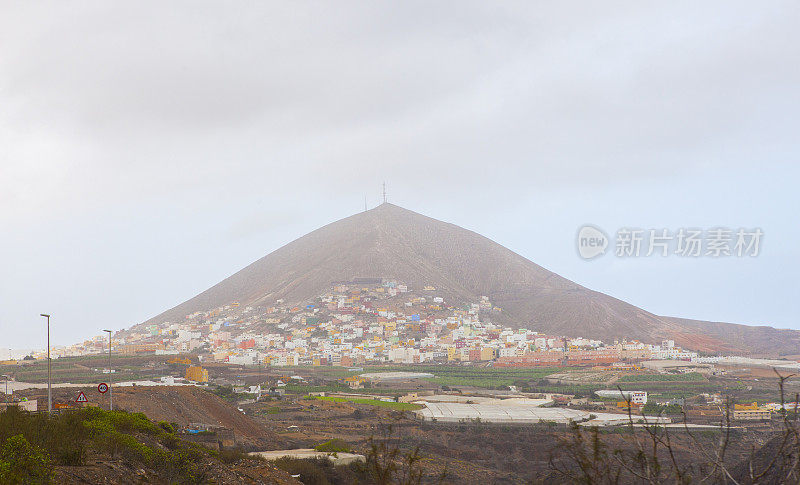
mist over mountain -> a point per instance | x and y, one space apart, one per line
394 243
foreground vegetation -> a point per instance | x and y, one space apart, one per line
586 456
385 463
32 444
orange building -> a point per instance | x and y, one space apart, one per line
197 374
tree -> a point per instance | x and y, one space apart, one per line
387 464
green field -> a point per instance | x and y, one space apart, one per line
444 375
397 406
80 369
485 377
690 376
320 371
694 386
497 378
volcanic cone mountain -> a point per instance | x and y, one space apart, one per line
395 243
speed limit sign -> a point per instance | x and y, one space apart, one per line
102 387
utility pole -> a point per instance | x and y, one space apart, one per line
49 375
110 392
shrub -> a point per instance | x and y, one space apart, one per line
28 441
333 446
22 463
653 409
311 471
167 427
232 455
181 466
63 437
170 441
121 421
66 439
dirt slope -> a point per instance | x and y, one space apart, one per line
175 404
189 404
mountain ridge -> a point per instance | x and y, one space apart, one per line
391 242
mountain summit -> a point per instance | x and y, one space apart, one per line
395 243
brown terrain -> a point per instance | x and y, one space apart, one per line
392 242
465 452
470 452
101 469
182 405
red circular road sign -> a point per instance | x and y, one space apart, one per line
102 387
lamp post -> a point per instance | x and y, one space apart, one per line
6 378
110 392
49 391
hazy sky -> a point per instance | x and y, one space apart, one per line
150 149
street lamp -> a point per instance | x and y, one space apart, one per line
110 392
49 391
6 378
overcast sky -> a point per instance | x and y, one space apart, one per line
150 149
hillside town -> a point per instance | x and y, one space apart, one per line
371 321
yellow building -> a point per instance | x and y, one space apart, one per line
129 349
355 382
197 374
488 353
179 360
752 414
410 397
635 354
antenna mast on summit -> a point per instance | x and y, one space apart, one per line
384 192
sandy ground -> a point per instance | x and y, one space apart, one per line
306 453
14 386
